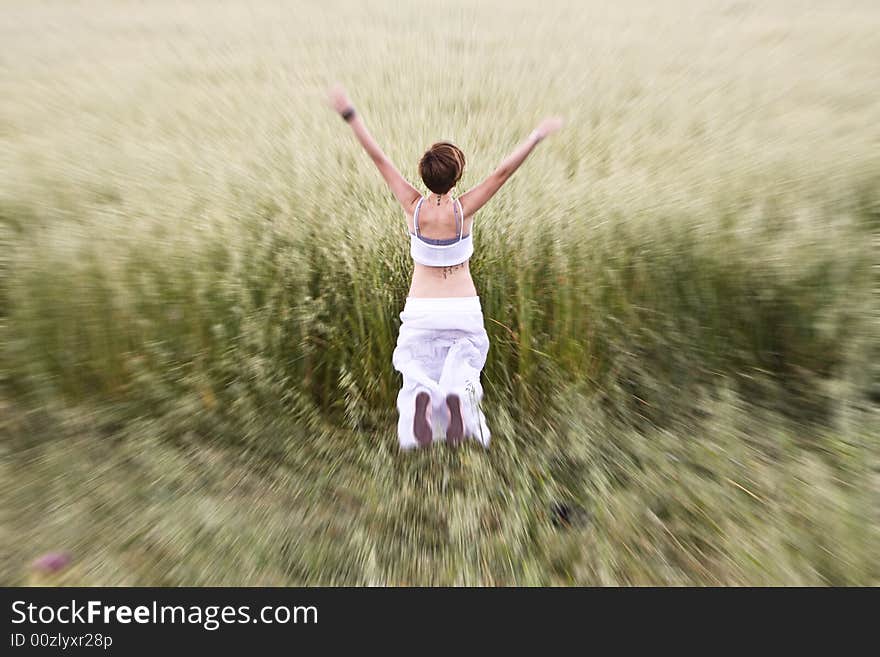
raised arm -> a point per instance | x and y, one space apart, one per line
406 194
477 197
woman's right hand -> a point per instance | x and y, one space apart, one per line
548 126
338 98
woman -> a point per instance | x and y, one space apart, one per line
442 345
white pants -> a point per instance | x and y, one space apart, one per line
441 349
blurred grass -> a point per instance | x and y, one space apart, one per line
739 496
201 274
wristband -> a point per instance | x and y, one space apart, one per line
347 114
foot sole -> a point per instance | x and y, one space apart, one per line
455 432
421 427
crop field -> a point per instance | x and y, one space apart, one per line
201 275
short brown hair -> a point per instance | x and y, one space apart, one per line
441 166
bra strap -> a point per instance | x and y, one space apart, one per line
461 225
416 215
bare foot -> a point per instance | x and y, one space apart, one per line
421 424
455 431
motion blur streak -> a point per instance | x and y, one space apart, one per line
201 275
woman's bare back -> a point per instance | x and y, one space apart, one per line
450 281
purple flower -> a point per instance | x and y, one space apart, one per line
52 562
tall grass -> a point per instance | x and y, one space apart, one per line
192 242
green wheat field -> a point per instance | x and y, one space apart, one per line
201 274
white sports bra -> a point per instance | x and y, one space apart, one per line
441 253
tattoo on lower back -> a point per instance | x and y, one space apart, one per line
448 271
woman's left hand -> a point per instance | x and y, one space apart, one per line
339 100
